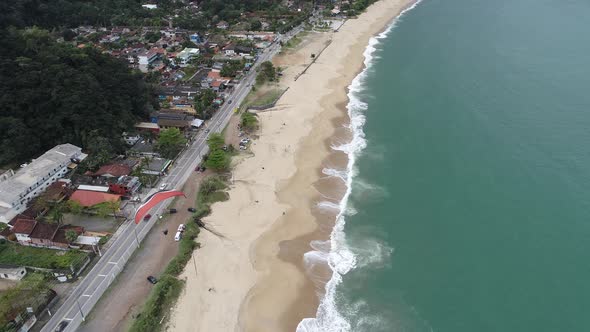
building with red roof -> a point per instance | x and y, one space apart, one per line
89 198
39 234
113 170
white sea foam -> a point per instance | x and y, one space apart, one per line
335 251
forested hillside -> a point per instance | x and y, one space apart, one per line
52 93
73 13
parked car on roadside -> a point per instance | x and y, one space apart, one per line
173 211
152 279
181 228
147 217
163 186
191 209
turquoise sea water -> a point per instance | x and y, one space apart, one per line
472 196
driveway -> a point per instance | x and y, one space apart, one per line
124 299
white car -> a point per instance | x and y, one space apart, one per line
181 228
163 186
178 236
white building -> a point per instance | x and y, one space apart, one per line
150 6
186 55
145 59
34 178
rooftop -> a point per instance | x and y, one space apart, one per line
91 198
24 226
38 170
113 170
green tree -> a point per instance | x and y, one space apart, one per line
71 235
170 142
52 93
255 25
215 141
74 207
56 214
217 160
249 121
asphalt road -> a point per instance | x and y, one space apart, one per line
81 301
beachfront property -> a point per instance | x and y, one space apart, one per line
32 179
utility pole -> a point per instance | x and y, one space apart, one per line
80 308
136 238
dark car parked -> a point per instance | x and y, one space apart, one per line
147 217
192 210
173 211
152 279
61 326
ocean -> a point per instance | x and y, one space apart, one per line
469 179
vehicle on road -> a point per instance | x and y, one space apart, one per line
173 211
61 326
147 217
178 236
191 209
181 228
152 279
229 102
207 131
163 186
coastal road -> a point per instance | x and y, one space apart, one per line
81 301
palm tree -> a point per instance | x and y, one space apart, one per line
57 213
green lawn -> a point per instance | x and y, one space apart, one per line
18 255
256 98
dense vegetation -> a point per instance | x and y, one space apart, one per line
52 93
170 142
32 291
218 158
72 13
15 255
211 190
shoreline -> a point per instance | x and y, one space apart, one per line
256 278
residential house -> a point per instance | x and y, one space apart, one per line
174 120
222 25
147 126
31 180
113 171
39 234
88 198
125 186
131 139
229 50
243 50
144 148
156 166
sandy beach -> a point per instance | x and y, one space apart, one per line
254 278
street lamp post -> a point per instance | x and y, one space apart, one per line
81 312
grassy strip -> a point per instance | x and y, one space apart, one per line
265 98
210 191
12 254
166 292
